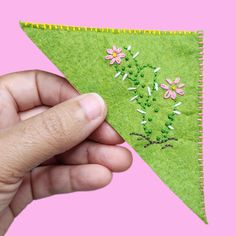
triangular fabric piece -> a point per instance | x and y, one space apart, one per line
152 84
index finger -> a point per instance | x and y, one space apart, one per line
30 89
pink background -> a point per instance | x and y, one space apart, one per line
137 202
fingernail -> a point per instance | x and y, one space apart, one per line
92 105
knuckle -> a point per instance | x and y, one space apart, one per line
9 176
9 171
55 128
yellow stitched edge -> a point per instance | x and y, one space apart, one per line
200 115
112 30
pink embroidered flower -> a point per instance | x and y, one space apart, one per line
115 55
173 88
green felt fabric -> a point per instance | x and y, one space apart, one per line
79 53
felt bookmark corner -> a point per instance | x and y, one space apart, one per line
152 82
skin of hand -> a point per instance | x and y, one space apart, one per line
52 141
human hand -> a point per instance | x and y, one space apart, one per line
52 140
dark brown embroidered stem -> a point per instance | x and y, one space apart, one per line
151 142
166 146
141 135
175 139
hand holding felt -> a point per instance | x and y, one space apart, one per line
52 141
151 82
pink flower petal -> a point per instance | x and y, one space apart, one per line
173 94
114 48
109 51
169 81
180 91
164 86
177 80
108 57
112 61
119 50
118 60
121 55
180 85
167 94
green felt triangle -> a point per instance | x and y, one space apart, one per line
165 132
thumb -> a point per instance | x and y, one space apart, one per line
54 131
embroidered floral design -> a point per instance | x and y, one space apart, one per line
173 88
142 82
114 55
